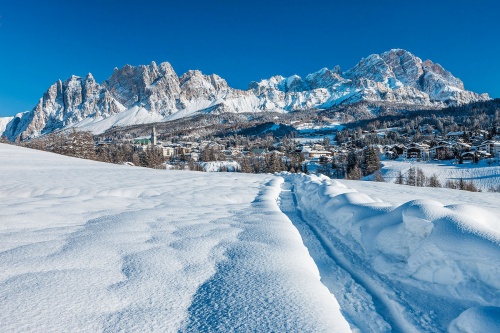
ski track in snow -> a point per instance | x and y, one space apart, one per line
356 303
353 238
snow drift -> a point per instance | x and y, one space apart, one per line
447 255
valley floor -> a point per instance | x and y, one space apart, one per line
88 246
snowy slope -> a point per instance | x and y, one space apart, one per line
88 246
91 247
482 175
133 116
4 121
416 267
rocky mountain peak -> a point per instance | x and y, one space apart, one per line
324 78
372 68
436 69
395 76
405 66
194 84
147 85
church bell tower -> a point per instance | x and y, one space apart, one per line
153 136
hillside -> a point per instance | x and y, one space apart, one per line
89 246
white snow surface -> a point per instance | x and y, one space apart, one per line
88 246
133 116
483 175
94 247
411 267
4 121
216 166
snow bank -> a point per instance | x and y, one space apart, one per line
479 319
444 252
92 247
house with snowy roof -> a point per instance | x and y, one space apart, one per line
416 151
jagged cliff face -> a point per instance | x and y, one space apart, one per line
64 103
154 93
155 87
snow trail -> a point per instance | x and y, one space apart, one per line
398 268
242 296
376 310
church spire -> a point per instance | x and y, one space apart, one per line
153 136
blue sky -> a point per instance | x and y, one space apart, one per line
242 41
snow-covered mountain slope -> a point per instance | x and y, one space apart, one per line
395 76
483 175
4 122
93 247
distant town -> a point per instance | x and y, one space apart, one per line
318 146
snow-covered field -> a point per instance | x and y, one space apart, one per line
483 175
88 246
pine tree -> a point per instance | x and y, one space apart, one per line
352 160
371 161
355 173
246 167
400 178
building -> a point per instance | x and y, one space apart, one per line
416 151
442 152
153 136
168 151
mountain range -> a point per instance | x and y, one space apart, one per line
155 93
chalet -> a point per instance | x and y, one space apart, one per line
468 156
416 151
317 146
168 151
194 156
442 152
311 154
492 147
483 154
216 146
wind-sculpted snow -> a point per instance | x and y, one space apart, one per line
95 247
428 264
